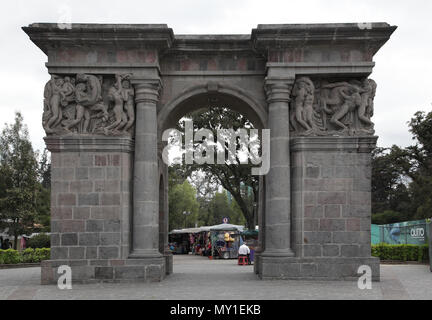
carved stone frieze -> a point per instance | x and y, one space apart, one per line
89 104
337 108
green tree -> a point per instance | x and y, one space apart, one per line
176 175
234 177
390 183
220 208
183 206
421 164
43 203
19 180
236 215
44 170
402 177
387 217
206 187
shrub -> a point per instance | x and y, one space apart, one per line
42 254
387 217
29 255
401 252
41 240
9 256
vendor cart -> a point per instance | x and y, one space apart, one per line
226 240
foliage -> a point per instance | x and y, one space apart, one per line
45 170
388 217
388 184
43 199
402 177
9 256
176 175
30 255
41 240
234 177
19 180
219 208
24 183
182 199
401 252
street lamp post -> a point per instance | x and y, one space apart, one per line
255 215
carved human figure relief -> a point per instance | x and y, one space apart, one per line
342 108
53 96
121 95
304 118
128 97
80 105
80 111
343 98
366 109
115 95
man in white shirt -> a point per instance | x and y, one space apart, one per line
244 251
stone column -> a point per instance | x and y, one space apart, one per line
145 231
278 204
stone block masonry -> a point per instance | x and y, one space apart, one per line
331 209
91 213
115 89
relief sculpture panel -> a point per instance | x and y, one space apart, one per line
89 104
337 108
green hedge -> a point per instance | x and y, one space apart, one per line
41 240
30 255
401 252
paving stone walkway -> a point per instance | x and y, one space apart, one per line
197 278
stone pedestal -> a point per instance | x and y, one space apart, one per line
331 211
91 210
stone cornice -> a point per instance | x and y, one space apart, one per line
50 35
77 143
363 68
334 143
225 43
283 35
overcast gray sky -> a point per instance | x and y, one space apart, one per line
403 66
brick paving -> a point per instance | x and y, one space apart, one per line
199 278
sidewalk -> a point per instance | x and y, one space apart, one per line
197 278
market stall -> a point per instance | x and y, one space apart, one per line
219 241
226 239
188 241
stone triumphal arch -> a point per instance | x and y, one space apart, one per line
115 88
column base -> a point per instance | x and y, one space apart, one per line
278 253
119 270
145 254
294 268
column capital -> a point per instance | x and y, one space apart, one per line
278 89
147 90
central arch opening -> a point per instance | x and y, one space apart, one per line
213 208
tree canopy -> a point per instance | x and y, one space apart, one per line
402 177
234 176
18 180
